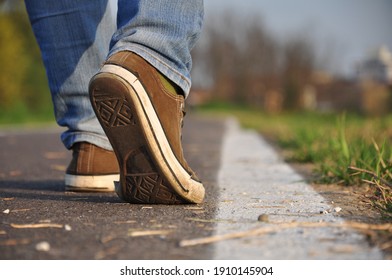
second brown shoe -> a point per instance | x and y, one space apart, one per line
142 119
92 169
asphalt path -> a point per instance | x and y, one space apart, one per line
248 188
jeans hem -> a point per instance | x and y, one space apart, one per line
98 140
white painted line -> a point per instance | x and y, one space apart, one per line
253 180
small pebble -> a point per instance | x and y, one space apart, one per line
263 218
6 211
43 246
337 209
67 227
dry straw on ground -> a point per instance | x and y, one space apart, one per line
283 226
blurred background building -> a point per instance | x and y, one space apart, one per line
377 66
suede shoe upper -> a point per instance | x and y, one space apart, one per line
88 159
169 106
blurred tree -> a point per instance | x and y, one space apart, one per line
246 64
24 92
259 63
13 61
298 66
221 56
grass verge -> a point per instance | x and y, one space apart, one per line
344 148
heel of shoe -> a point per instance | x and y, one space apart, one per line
127 116
149 188
86 183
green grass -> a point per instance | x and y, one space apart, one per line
20 114
344 148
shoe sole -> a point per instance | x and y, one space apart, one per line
122 105
85 183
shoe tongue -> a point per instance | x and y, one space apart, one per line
169 85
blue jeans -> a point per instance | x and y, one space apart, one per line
76 37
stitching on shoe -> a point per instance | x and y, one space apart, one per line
90 155
79 159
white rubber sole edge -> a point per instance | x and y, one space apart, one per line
177 176
101 183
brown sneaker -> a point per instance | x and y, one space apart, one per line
91 169
142 119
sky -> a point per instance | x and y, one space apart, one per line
347 30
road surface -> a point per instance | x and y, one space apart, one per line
256 206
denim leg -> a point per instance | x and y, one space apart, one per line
74 40
162 32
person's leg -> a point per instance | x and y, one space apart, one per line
162 32
74 38
138 97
